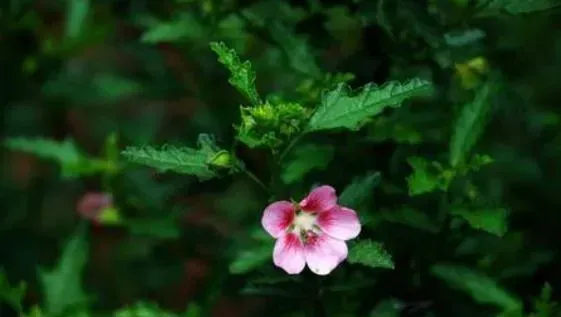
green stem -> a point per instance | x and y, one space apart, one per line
256 179
290 146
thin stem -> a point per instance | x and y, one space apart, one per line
255 179
290 146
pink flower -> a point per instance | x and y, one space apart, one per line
93 205
311 232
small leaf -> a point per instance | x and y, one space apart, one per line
242 75
427 177
491 220
464 37
360 191
306 158
341 109
184 160
13 295
480 287
370 253
469 125
62 286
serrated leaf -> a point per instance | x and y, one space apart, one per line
491 220
304 159
183 160
13 295
64 152
370 253
470 124
62 286
242 75
360 190
480 287
496 7
340 108
426 177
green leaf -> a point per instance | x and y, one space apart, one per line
242 75
143 309
340 108
496 7
469 125
386 308
480 287
184 27
77 12
304 159
161 228
491 220
63 152
410 217
184 160
360 191
370 253
427 176
251 259
62 286
296 48
13 295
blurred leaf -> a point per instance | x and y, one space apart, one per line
470 124
242 75
370 253
76 15
15 295
193 310
410 217
492 220
544 306
427 176
480 287
360 191
296 48
184 27
306 158
62 286
386 308
251 259
64 152
184 160
161 228
496 7
341 109
464 37
143 309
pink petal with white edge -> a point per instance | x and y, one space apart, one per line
320 199
340 222
324 253
288 254
277 217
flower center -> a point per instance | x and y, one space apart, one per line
305 226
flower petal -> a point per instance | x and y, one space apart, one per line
288 254
324 253
277 217
320 199
340 223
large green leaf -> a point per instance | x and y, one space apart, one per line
184 160
492 220
62 286
340 108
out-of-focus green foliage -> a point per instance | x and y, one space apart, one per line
437 121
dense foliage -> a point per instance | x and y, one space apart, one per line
143 139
